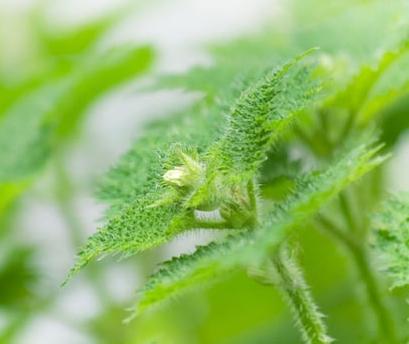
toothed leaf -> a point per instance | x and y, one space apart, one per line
260 116
252 247
135 214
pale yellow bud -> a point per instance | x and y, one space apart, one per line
177 176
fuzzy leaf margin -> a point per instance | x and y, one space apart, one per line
141 224
216 259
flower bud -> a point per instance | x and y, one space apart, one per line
178 176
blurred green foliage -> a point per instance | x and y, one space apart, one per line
49 77
362 64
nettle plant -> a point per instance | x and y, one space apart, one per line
266 152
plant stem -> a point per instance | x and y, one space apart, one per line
283 271
297 293
346 209
385 322
349 123
387 331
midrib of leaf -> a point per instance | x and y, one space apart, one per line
257 120
260 116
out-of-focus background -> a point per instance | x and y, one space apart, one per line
54 209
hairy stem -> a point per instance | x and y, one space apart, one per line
283 271
297 293
386 327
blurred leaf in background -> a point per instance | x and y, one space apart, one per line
47 106
50 75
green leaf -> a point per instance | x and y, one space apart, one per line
252 247
198 126
24 137
75 40
141 217
92 79
136 228
391 243
39 121
257 120
360 96
260 117
140 168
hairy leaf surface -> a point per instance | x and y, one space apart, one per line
148 225
258 118
252 247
